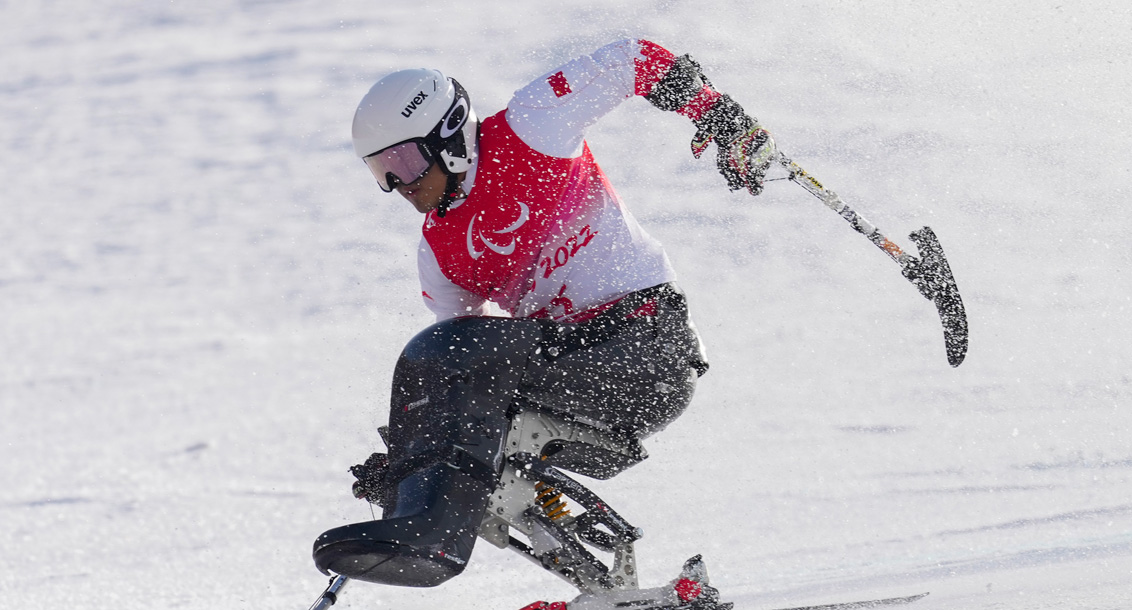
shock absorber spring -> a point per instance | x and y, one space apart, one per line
550 499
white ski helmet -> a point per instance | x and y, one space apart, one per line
421 105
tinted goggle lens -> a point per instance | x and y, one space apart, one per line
399 164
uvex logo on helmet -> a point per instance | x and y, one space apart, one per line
416 101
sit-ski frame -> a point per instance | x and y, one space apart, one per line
528 501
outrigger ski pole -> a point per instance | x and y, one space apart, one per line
329 597
930 273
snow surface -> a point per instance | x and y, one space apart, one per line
202 295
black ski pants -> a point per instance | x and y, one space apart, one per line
633 369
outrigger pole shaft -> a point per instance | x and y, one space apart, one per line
330 596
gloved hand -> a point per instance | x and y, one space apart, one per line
370 485
744 150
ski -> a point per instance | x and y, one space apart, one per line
872 603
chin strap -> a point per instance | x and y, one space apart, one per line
451 194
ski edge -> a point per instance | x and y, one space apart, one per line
872 603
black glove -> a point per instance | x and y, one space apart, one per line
370 485
745 149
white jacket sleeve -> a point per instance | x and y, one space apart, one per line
441 296
552 113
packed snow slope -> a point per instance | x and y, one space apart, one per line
203 293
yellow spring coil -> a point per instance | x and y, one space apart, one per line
550 499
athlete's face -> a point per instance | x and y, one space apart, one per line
426 193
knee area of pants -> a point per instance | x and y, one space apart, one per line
459 341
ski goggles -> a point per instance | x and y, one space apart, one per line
402 163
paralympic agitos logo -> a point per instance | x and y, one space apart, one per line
476 237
